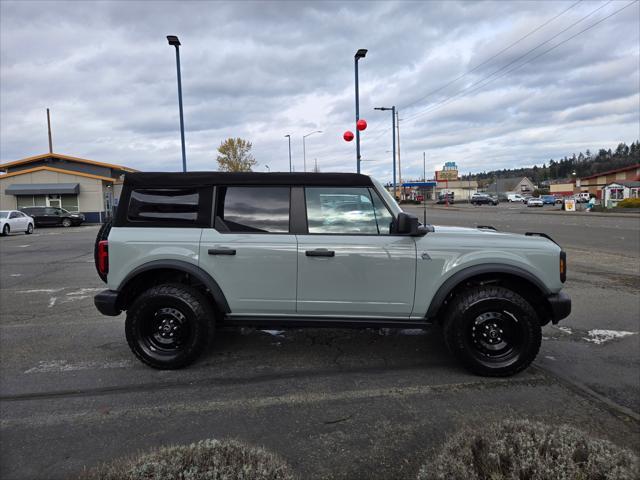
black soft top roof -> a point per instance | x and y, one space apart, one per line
179 179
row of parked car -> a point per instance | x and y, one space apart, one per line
25 219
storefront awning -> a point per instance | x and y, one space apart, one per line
42 188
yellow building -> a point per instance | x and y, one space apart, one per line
55 180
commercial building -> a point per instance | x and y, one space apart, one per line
55 180
594 184
621 190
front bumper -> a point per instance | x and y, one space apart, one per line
106 303
560 305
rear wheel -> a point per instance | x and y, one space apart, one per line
66 222
493 331
29 229
168 326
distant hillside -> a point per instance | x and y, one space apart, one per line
583 164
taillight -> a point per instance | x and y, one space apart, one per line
563 266
103 257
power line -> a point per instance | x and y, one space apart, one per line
492 57
539 27
415 115
448 99
452 98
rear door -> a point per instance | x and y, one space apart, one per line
250 251
349 262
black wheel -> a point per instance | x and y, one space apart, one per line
29 230
5 230
103 234
168 326
66 222
492 330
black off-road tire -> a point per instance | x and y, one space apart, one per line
103 234
469 327
156 309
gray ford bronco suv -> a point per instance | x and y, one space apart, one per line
191 252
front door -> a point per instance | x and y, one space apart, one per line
250 252
349 263
54 201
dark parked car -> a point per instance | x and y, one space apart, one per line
483 199
49 216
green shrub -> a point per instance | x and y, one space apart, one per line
208 459
629 203
517 450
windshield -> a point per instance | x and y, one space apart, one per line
4 213
386 196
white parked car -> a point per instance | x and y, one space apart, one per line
535 202
515 197
15 221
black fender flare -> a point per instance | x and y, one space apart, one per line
195 271
487 268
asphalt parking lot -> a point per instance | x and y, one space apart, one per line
334 403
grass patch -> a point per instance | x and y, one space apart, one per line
523 450
208 459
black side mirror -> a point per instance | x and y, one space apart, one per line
408 224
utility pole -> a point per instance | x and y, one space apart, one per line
173 40
399 164
49 131
424 166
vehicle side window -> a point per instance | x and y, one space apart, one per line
253 210
159 205
50 211
343 210
384 218
14 215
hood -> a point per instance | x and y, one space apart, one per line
487 238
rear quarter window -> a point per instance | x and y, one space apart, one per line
165 207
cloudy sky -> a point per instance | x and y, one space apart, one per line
486 84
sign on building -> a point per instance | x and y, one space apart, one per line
446 175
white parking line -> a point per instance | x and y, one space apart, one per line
57 366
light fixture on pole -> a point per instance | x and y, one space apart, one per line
173 40
361 53
289 137
304 148
393 136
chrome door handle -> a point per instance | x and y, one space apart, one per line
221 251
320 252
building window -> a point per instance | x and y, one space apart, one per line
70 203
31 201
616 193
634 193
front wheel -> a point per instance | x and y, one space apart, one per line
168 326
5 230
493 331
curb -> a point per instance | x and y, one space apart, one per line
590 214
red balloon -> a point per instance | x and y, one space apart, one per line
348 135
362 124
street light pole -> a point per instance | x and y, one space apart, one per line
393 136
289 136
359 54
304 148
173 40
